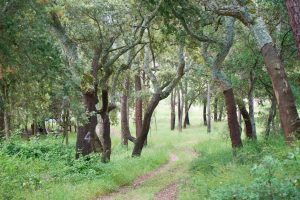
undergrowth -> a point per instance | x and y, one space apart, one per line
265 169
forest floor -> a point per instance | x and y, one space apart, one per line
163 182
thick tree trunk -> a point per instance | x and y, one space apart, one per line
221 112
289 117
234 129
216 109
106 140
204 112
173 114
146 125
125 131
271 116
86 132
138 106
286 103
247 119
208 109
293 7
251 103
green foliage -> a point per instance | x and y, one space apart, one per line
266 169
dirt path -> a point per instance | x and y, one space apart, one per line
160 184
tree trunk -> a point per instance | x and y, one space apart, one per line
179 109
1 123
204 112
106 141
208 109
221 111
271 116
66 116
86 135
293 7
289 118
138 106
137 150
234 129
216 109
125 131
286 103
186 120
251 104
247 119
173 114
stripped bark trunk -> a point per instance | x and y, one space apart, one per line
293 7
173 114
234 128
138 106
137 150
208 109
216 109
286 103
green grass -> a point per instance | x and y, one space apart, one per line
217 174
46 169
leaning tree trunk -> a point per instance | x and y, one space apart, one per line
173 114
208 109
216 109
204 112
247 119
293 7
138 106
137 150
289 118
234 128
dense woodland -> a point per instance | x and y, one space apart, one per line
94 94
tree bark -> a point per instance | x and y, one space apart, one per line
251 103
293 7
208 109
66 116
271 116
125 131
1 123
106 141
138 106
146 125
247 119
216 109
86 132
179 109
286 103
204 112
234 128
173 114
